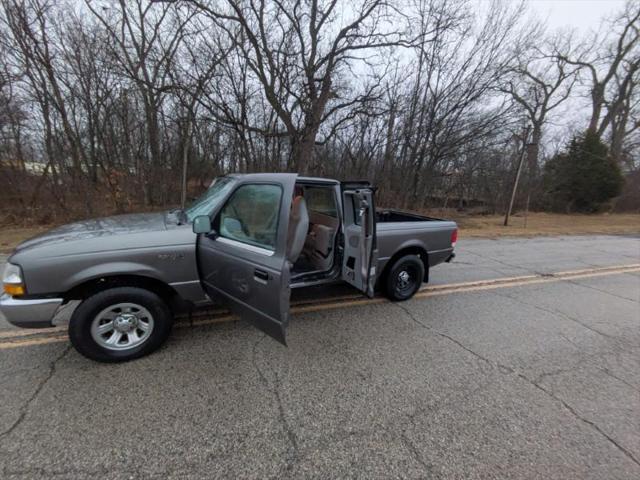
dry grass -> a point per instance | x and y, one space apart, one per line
548 224
12 236
470 226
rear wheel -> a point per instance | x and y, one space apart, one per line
404 278
120 324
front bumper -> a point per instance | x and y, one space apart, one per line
32 313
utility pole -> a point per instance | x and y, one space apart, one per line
525 135
529 187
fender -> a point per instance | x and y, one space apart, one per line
111 269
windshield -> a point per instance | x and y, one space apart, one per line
205 204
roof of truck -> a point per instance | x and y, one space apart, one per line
318 180
267 176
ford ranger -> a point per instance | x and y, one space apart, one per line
247 241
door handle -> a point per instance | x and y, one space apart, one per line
261 274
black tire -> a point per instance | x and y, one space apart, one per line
80 325
404 278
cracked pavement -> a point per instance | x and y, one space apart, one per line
531 381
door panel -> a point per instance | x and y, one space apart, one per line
255 285
243 263
360 250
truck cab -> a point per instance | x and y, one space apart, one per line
274 232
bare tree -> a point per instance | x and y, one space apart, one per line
605 61
144 38
539 82
625 121
450 102
190 78
299 52
119 105
32 59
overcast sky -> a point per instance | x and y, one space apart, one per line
580 14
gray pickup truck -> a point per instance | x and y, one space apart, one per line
247 241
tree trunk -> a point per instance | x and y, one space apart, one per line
388 148
597 99
618 133
185 162
533 149
154 149
302 152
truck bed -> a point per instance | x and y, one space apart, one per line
397 230
387 215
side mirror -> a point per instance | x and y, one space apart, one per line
202 224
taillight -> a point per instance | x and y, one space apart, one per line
454 237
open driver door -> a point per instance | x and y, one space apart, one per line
241 251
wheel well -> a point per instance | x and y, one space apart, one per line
414 250
90 287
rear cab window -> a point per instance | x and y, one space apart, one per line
321 200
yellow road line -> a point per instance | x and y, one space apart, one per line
28 342
474 286
59 333
29 332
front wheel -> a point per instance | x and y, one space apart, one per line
404 278
120 324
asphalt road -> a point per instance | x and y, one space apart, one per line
536 378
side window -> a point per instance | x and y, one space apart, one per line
251 215
321 200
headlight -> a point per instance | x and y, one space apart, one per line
12 280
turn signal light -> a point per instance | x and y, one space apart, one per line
14 290
13 281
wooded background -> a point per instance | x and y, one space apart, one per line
113 106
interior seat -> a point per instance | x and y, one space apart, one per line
298 228
319 246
